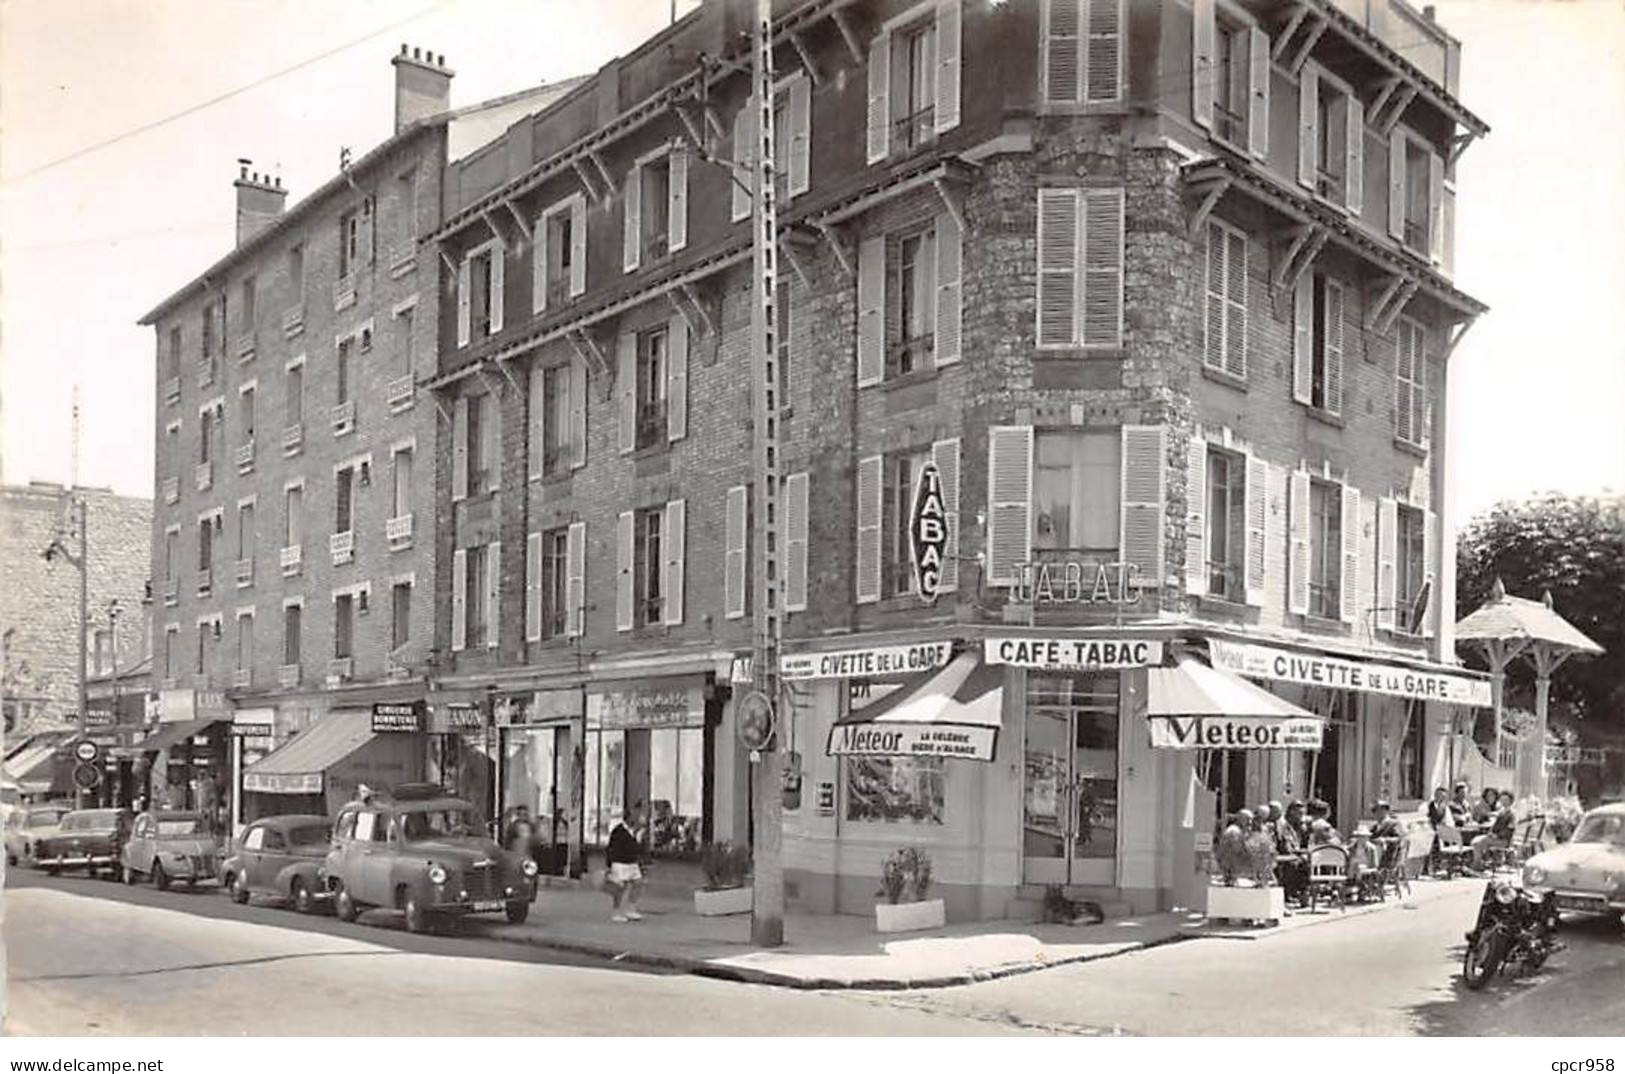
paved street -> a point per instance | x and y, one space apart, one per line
89 957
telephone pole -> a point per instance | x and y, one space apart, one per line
767 909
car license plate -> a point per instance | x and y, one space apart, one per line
482 905
1580 902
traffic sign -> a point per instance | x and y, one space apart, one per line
755 721
86 751
86 776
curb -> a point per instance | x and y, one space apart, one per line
1234 933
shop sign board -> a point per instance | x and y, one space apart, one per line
881 739
395 716
1073 654
283 782
243 729
1315 669
1052 581
455 717
649 704
867 663
928 533
1235 733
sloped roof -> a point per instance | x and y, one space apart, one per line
1508 617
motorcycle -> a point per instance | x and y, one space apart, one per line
1514 934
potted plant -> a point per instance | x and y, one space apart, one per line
727 870
1246 888
906 874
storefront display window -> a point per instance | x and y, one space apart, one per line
1070 778
894 789
661 769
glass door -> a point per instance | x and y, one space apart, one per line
1069 803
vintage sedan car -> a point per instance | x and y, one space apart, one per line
25 824
425 854
171 846
88 839
1587 873
280 856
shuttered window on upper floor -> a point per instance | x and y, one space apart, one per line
1230 76
913 79
910 306
1080 267
1081 51
1412 415
1224 319
1331 139
792 143
1319 316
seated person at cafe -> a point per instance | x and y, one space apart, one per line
1500 834
1461 807
1386 825
1364 857
1319 809
1297 822
1261 820
1321 833
1485 808
1440 814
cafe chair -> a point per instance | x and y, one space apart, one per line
1450 855
1391 871
1328 875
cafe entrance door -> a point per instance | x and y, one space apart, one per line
1069 792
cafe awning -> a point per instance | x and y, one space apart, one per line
300 765
24 761
1192 706
170 735
951 712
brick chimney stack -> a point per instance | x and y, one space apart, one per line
260 199
422 86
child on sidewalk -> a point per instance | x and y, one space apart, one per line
625 875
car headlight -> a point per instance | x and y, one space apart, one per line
437 874
1505 895
1534 874
529 867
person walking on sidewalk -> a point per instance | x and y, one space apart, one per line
625 875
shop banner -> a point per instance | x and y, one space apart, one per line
1073 654
455 717
396 716
668 704
1314 669
867 663
1234 733
250 730
280 783
543 707
882 739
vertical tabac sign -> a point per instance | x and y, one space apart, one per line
928 533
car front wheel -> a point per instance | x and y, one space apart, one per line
300 894
517 912
131 876
160 879
418 919
344 906
238 883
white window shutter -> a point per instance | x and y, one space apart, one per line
735 548
578 413
1235 304
1009 502
950 272
744 177
537 401
673 538
1103 65
1257 521
459 448
623 570
1308 124
1298 535
797 514
632 220
677 378
1387 557
879 118
1435 207
1103 268
949 17
1430 550
533 587
677 200
1196 517
459 600
1204 46
1333 332
1349 598
1140 533
578 245
491 429
871 310
1303 339
499 263
1060 51
1058 275
575 579
800 148
493 593
1258 93
538 265
465 283
945 453
869 492
1213 310
626 386
1396 183
1354 156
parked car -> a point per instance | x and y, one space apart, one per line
171 846
25 824
280 856
1586 874
88 839
425 854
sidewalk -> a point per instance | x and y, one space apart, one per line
829 951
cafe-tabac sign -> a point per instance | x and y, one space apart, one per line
1049 582
1315 669
1073 654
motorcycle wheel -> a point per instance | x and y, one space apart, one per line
1483 958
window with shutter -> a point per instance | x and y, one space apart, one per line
1299 538
625 589
493 593
901 472
649 566
1058 280
1103 268
558 257
1009 502
736 550
949 272
1349 598
1320 320
1080 52
870 494
1410 379
1230 84
459 600
1331 138
1257 528
1196 517
797 515
871 310
1224 322
575 579
1142 501
677 378
533 587
1324 539
555 608
1076 495
673 539
1224 509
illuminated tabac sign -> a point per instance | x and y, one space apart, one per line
1076 582
928 532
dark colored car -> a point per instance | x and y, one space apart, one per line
171 846
280 856
426 855
25 824
88 839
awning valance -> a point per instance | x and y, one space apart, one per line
300 766
1192 706
170 735
952 712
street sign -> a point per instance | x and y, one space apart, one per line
755 721
86 751
86 776
928 532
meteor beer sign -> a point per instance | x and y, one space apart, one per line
928 533
1234 733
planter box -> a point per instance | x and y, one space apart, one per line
1246 904
909 916
723 902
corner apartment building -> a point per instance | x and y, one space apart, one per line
1161 293
292 551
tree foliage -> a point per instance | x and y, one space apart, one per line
1574 547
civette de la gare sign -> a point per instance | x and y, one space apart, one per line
1234 733
1076 582
1314 669
866 663
928 533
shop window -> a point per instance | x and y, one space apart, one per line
1410 772
895 789
661 771
902 473
1076 485
1410 565
649 601
1325 549
1226 502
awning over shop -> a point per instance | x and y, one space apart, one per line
1192 707
1420 683
953 712
300 765
24 761
173 734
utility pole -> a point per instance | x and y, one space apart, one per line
767 909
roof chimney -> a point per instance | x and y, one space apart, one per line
422 86
259 200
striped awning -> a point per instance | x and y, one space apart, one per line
300 765
1193 706
954 711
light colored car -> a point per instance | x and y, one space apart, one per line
1586 874
169 847
25 824
279 856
